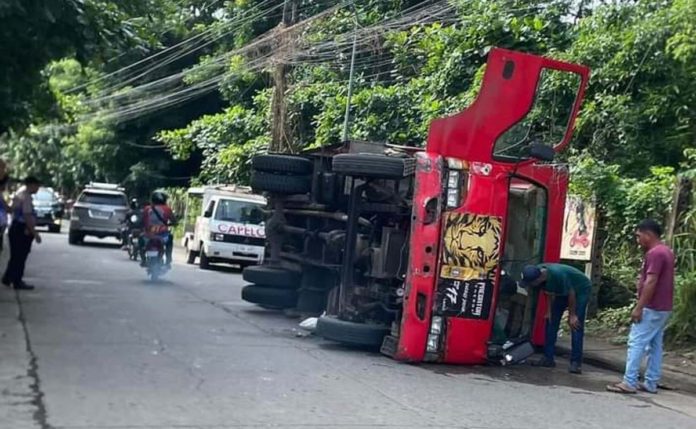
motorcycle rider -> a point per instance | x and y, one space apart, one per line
157 216
129 225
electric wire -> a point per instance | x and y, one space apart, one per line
165 100
232 23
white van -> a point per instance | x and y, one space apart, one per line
228 227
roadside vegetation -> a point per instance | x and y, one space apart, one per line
165 93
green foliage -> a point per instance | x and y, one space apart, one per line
640 102
32 33
681 325
616 320
227 141
624 201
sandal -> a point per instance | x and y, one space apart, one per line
621 388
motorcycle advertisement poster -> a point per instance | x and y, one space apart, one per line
578 229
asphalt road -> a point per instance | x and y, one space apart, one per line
108 349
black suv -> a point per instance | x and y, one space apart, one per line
49 209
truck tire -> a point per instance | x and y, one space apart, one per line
272 276
283 164
269 297
190 256
351 333
280 184
203 261
75 238
54 229
373 165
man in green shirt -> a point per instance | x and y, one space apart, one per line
566 288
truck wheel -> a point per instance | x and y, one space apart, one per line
272 276
203 261
75 238
351 333
280 184
373 165
190 257
284 164
54 229
269 297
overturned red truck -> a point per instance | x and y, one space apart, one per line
416 251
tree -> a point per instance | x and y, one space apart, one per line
32 33
640 104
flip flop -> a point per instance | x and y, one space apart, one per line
621 388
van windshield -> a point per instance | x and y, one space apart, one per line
239 211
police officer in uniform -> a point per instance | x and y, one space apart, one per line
22 233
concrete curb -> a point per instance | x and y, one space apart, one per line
17 407
672 378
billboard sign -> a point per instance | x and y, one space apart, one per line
578 229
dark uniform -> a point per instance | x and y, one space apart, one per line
20 238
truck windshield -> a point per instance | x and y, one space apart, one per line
239 211
548 119
103 199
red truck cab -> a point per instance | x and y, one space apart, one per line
494 198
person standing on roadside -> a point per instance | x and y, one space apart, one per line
567 288
22 233
650 315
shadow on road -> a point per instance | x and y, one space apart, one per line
592 381
230 269
160 282
97 244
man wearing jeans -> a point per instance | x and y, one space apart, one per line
566 288
649 317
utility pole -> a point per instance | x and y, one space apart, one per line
279 134
346 119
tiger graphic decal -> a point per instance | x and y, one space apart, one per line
471 246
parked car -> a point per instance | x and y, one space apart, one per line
49 209
99 211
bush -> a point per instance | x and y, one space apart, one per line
682 325
612 323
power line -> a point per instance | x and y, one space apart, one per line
167 91
174 47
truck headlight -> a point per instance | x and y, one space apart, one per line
433 343
452 198
454 188
453 179
217 236
436 325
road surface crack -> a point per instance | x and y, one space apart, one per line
40 416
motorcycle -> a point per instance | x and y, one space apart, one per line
130 233
133 244
154 257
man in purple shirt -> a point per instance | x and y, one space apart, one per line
650 315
